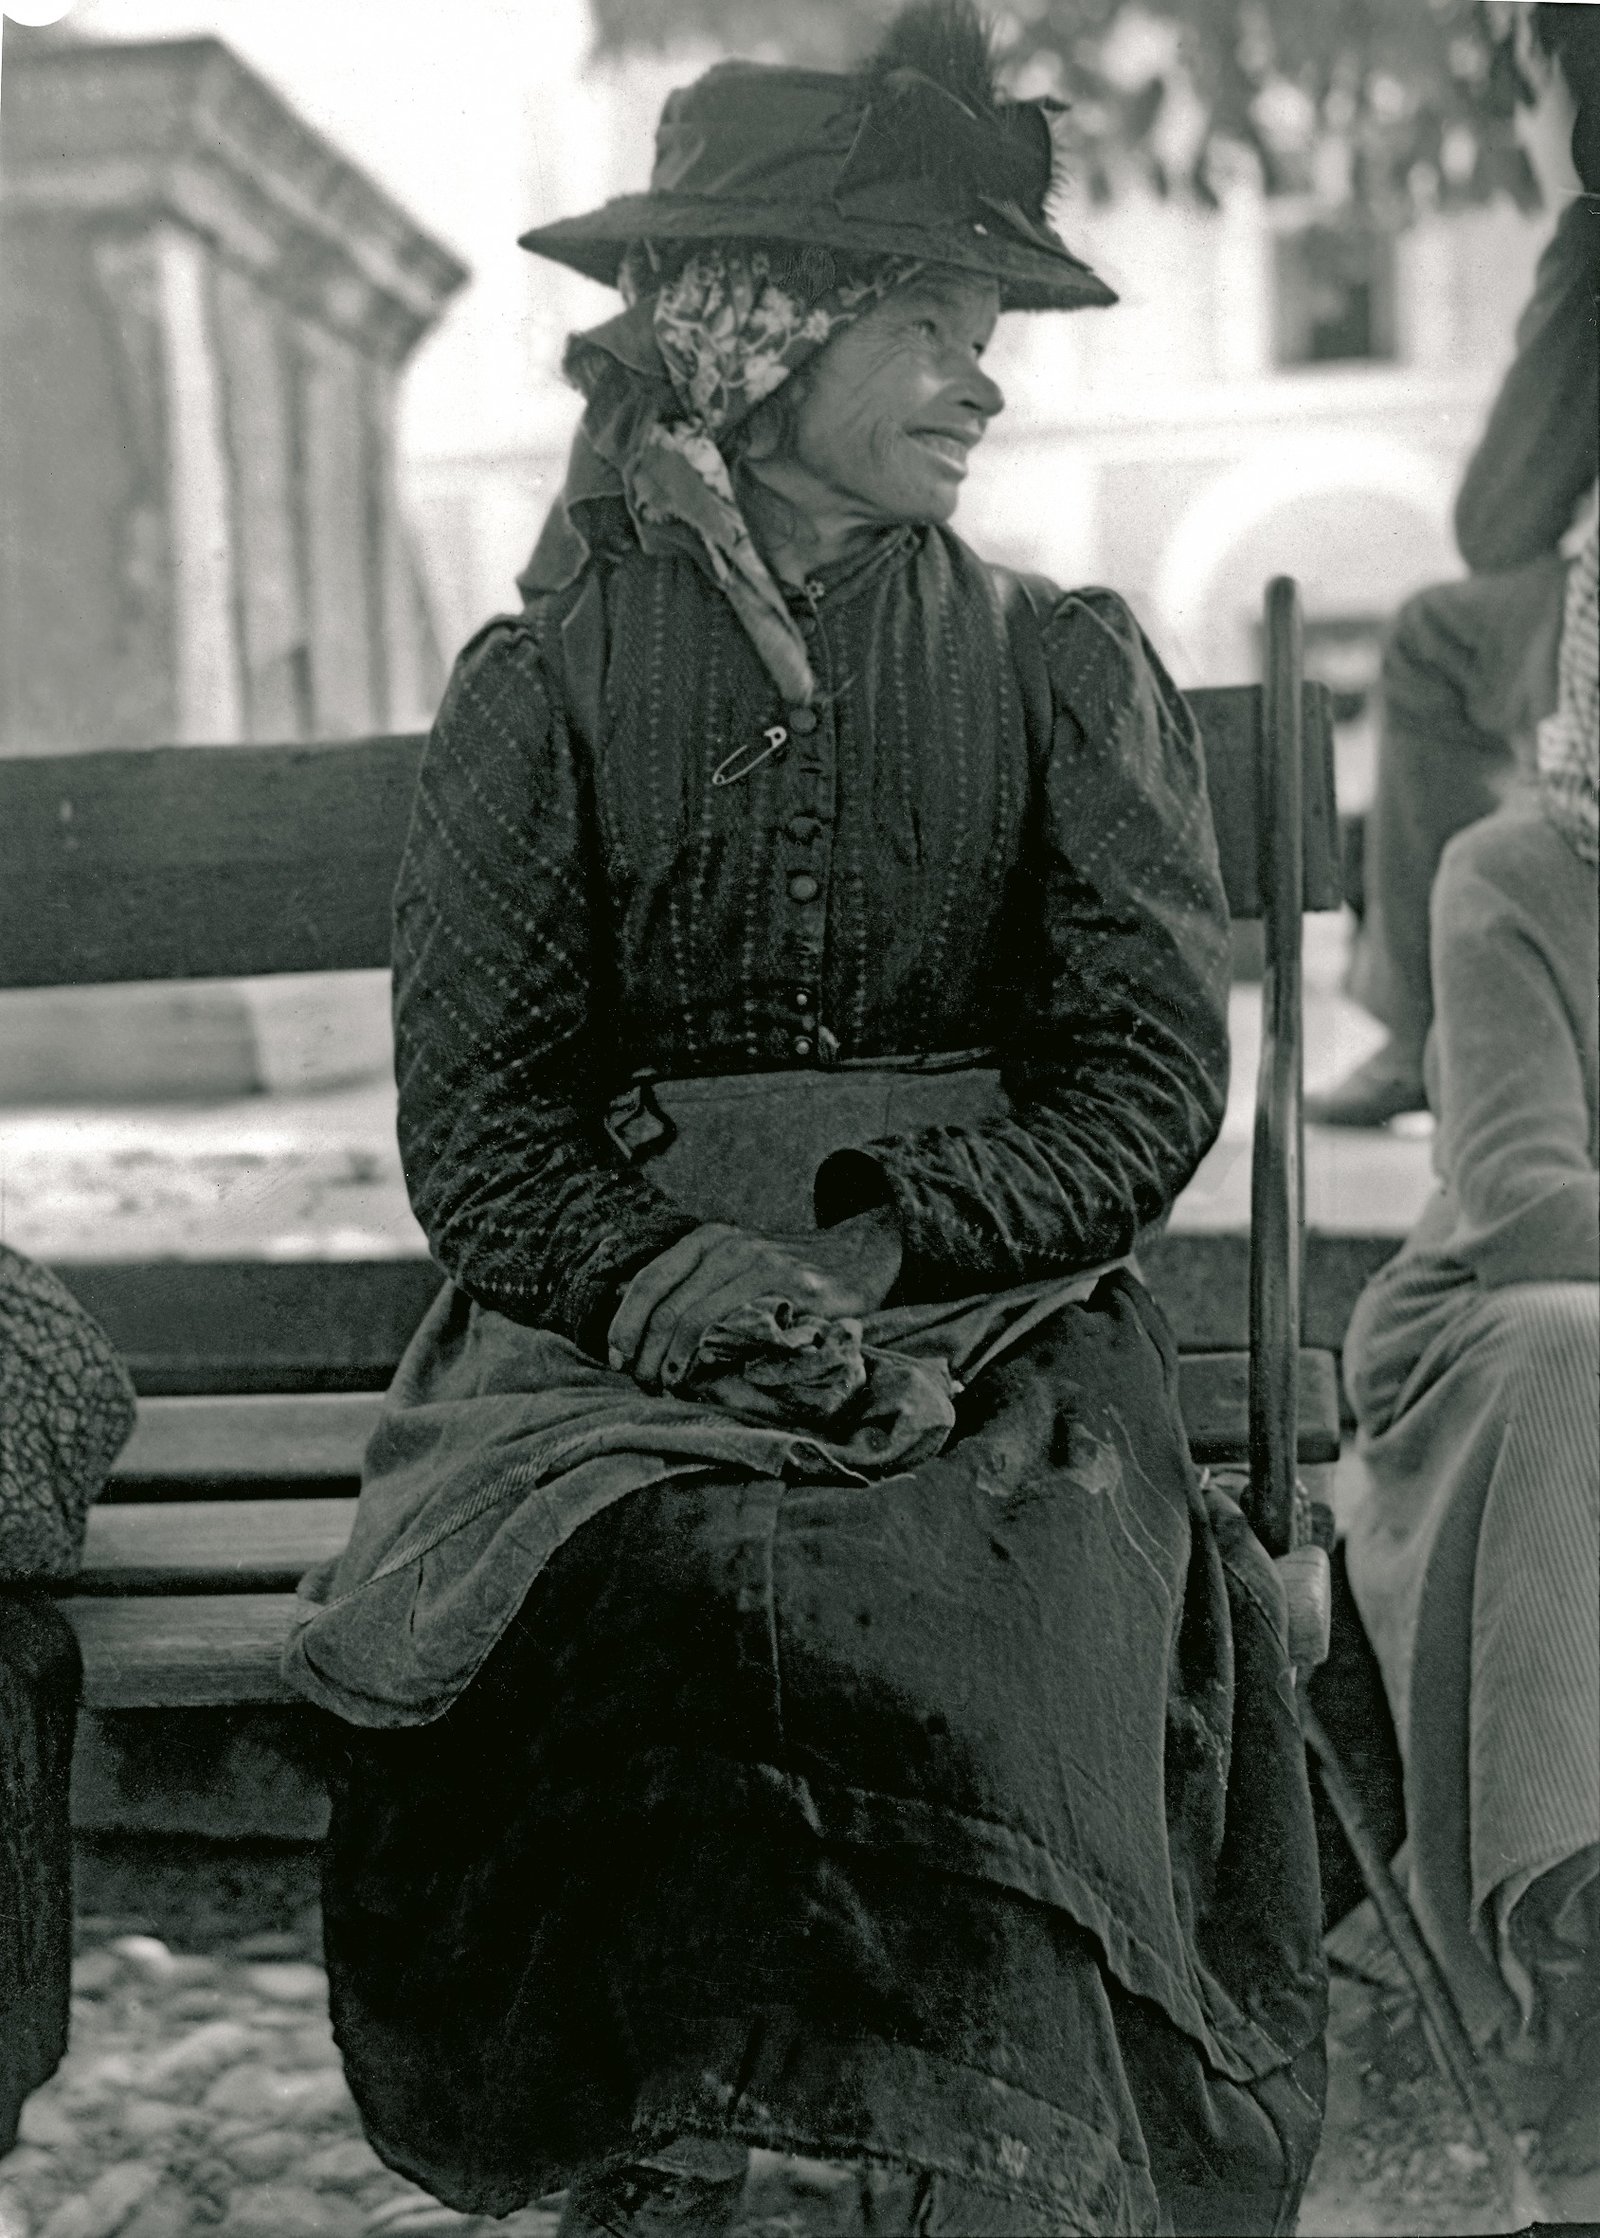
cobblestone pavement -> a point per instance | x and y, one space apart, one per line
1399 2158
202 2096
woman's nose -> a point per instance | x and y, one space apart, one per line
981 392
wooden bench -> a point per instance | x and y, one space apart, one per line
259 1381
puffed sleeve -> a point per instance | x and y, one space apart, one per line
1115 1052
1505 1070
499 1009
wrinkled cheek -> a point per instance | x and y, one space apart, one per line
920 491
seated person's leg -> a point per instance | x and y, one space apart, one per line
1474 1554
1555 1933
1468 671
39 1685
1536 1682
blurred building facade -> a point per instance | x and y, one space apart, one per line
1243 412
204 312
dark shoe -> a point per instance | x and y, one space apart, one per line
1384 1088
640 2201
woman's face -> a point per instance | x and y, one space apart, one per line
893 406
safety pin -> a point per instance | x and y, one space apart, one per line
776 736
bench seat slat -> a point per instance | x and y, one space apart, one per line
1214 1392
315 1438
176 1605
182 1651
318 1440
210 1546
244 1545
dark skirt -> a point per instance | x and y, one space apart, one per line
957 1822
40 1678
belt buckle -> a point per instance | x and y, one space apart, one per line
636 1123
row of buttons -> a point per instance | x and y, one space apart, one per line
803 887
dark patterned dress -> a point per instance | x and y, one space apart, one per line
954 1820
66 1408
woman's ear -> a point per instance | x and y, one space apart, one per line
763 434
770 427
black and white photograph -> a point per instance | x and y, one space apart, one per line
799 1118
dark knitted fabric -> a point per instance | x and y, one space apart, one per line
934 865
40 1677
66 1409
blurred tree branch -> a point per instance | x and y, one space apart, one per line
1383 105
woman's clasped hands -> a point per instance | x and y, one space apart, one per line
840 1272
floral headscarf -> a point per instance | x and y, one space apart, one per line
1569 739
666 384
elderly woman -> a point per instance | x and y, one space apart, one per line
804 1723
1474 1363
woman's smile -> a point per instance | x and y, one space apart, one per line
950 450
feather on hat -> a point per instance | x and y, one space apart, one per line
918 153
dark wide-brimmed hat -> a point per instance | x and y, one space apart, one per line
916 154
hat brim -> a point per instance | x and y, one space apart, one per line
1030 278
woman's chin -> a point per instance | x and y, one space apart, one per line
932 502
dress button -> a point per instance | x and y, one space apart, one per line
802 1045
803 828
802 998
803 887
802 721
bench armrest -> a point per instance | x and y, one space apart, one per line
1277 1182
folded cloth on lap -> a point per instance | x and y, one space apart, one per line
772 1362
499 1441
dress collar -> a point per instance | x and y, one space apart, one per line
843 578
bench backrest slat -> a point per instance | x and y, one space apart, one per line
205 862
201 862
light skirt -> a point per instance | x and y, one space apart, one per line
1474 1557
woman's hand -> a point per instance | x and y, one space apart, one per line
846 1270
